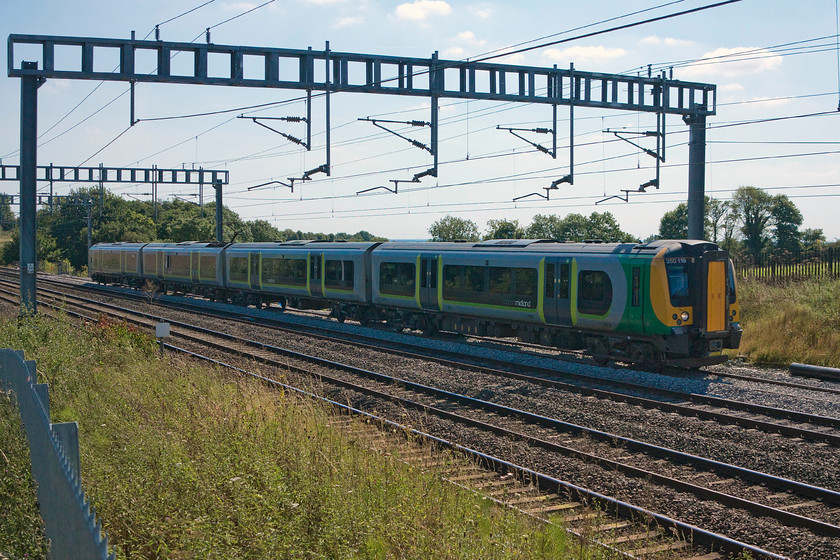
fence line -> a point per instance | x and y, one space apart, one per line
790 265
69 519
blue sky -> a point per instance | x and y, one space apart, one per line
790 71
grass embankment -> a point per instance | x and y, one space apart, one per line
184 461
20 522
794 322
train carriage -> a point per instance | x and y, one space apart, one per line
636 302
305 273
119 263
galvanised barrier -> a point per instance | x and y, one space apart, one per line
69 519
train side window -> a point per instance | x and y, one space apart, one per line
397 278
594 292
238 269
338 274
730 279
549 280
451 280
563 284
500 280
434 274
207 266
637 286
526 282
424 270
473 278
315 267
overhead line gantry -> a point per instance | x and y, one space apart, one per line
433 78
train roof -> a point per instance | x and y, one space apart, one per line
546 245
308 244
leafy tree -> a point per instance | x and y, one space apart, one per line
261 230
504 229
716 212
786 221
452 228
7 217
544 227
674 223
755 208
813 238
576 227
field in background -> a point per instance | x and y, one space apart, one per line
791 322
182 461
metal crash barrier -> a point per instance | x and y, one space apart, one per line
69 520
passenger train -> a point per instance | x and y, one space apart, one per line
664 302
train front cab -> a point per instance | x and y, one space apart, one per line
693 292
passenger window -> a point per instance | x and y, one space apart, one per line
474 278
526 281
500 280
563 287
594 292
549 281
397 278
239 269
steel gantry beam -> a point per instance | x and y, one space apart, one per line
363 73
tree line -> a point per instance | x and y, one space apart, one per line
753 223
62 231
572 227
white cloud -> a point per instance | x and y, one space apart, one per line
481 11
321 2
732 63
348 21
731 87
667 41
469 38
422 9
454 52
583 55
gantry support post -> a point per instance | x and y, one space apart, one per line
28 186
217 184
696 174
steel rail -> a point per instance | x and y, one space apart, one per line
781 483
729 404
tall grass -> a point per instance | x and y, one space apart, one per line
183 461
20 523
792 322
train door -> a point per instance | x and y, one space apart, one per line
635 309
316 265
160 272
195 262
254 270
712 311
429 282
556 301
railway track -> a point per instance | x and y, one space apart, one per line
522 426
813 427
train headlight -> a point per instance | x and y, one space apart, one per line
684 316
